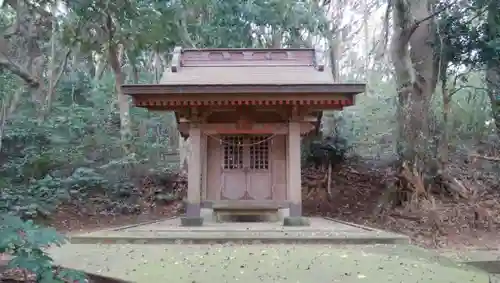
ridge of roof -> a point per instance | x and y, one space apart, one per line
246 57
246 66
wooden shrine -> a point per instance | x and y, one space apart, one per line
244 112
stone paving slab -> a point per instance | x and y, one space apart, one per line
266 263
321 231
317 224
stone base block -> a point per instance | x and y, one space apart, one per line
296 221
191 221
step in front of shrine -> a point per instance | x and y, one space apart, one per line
321 231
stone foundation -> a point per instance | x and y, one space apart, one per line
296 221
210 216
191 221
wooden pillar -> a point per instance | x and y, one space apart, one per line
204 166
294 186
184 148
194 173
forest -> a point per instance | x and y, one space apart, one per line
419 151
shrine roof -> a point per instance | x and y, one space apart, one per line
271 76
246 66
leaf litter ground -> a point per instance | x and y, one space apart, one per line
358 186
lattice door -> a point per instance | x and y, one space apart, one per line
259 153
233 171
245 167
232 152
258 177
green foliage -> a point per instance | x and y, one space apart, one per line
335 144
25 242
84 179
40 198
471 32
75 154
330 150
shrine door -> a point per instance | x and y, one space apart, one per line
246 173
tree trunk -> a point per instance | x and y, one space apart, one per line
158 66
416 72
100 67
442 63
493 86
3 119
114 55
277 37
413 74
366 36
334 53
335 42
16 98
36 63
493 66
444 142
52 63
55 72
135 73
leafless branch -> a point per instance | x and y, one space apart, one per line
385 30
61 68
466 87
3 118
490 158
16 69
417 23
409 32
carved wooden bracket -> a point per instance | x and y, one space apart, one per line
194 115
295 113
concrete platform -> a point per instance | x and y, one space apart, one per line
321 231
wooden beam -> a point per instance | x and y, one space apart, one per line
230 128
255 129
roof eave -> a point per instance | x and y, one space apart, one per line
139 89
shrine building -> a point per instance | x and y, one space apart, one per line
244 112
